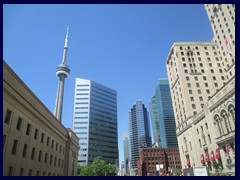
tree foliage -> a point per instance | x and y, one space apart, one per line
98 167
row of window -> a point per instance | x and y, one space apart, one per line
58 146
33 154
30 172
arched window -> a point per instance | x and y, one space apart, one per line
231 110
226 120
217 120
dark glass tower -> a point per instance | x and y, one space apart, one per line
139 131
166 115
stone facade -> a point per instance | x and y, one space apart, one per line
35 143
203 92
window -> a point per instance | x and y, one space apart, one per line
214 78
212 71
206 84
196 78
190 91
192 99
36 134
10 171
48 141
207 53
194 113
187 78
39 156
24 153
45 159
42 138
209 139
189 85
197 131
8 116
199 91
201 98
52 143
202 70
185 71
197 85
14 147
50 160
33 153
30 172
21 172
28 129
193 106
204 78
215 84
184 65
19 123
200 144
4 140
208 92
206 125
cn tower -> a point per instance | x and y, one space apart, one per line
62 72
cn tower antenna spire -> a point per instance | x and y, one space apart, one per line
62 72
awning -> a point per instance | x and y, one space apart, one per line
212 156
207 157
202 158
217 152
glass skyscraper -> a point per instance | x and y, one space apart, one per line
95 121
153 108
166 115
139 131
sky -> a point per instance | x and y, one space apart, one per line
123 47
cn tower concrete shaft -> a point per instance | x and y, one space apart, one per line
62 72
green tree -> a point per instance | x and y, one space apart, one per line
98 167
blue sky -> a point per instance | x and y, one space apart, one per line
123 47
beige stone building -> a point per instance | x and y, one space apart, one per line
202 83
35 143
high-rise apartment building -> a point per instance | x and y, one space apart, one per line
126 153
165 115
202 83
95 121
139 130
155 122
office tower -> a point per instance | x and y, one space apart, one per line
202 82
222 20
165 113
139 130
35 143
126 152
95 121
62 72
155 122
